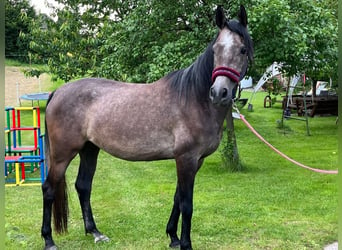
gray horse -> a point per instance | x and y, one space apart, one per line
177 117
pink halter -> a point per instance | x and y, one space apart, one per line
226 71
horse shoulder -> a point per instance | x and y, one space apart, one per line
197 133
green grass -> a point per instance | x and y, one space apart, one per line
23 65
272 204
15 63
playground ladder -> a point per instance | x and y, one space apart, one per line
16 152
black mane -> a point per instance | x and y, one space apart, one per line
196 79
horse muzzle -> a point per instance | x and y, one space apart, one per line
224 80
220 96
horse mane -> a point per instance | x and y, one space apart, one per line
196 79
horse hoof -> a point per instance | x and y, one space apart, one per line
175 244
54 247
101 237
189 247
186 248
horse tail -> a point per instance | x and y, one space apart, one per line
60 206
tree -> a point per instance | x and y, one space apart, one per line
153 40
300 34
69 45
140 40
135 40
17 14
319 57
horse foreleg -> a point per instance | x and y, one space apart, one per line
171 228
187 168
88 156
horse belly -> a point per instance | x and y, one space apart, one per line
134 145
139 152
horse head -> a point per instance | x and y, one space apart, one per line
232 49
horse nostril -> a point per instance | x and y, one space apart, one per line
224 93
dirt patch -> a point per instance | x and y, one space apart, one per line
17 84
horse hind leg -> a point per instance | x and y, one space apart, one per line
88 160
55 197
46 231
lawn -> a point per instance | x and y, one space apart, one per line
271 204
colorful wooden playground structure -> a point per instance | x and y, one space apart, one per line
24 153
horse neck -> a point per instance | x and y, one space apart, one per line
203 67
196 79
219 114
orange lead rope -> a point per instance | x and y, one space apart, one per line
322 171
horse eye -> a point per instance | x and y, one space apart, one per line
243 51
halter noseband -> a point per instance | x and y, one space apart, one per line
232 74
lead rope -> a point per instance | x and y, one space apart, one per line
236 114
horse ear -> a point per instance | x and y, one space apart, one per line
220 17
243 16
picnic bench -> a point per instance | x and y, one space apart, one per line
319 105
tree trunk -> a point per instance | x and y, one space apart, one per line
230 152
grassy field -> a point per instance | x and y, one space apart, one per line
272 204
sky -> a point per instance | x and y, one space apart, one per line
40 6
